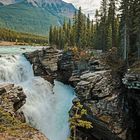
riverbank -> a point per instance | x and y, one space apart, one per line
8 43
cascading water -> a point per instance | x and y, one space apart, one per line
46 106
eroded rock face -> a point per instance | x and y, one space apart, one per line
65 67
50 64
12 98
44 62
102 96
12 121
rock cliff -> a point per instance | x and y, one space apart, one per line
12 121
102 96
44 62
112 109
50 64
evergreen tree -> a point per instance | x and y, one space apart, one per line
50 35
111 21
109 30
103 24
79 27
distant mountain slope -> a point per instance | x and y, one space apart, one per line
7 2
34 16
88 6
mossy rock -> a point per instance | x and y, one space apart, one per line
10 127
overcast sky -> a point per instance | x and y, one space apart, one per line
88 6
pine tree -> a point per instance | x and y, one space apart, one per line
50 35
111 21
78 121
104 24
97 40
79 27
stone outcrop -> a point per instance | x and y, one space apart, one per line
101 96
12 121
65 67
44 62
50 64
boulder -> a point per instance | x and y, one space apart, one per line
44 62
12 120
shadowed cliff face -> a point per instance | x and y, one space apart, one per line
52 64
133 104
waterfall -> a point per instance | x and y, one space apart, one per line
46 106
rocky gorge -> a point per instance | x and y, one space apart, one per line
107 99
112 106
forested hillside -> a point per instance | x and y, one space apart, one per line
115 26
34 16
9 35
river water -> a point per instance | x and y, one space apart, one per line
46 106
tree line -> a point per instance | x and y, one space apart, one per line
12 36
78 32
116 25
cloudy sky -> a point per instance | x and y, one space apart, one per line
88 6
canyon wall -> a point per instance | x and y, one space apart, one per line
112 107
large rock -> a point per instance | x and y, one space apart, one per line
12 121
50 64
102 96
65 66
44 62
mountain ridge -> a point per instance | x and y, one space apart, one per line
8 2
34 16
